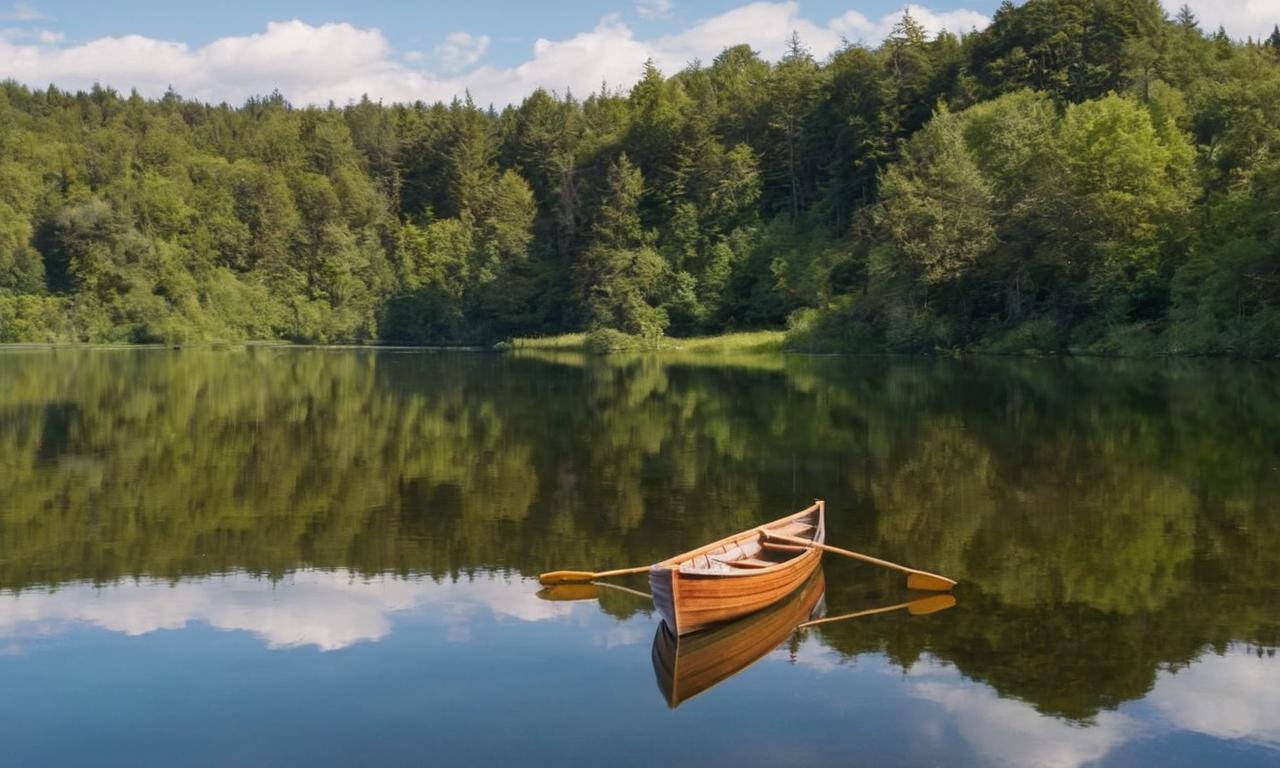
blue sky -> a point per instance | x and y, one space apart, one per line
328 50
513 26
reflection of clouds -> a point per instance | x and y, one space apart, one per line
812 654
327 609
1235 696
1010 732
1232 696
620 635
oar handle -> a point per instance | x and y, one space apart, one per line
582 577
847 553
622 571
858 556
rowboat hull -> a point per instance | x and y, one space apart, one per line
696 590
687 666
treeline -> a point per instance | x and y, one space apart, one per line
1083 174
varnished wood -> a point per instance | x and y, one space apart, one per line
699 588
582 577
688 665
916 578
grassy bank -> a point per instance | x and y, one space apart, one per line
608 342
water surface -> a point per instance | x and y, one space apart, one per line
277 556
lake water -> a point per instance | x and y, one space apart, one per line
279 556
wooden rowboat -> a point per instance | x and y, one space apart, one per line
737 575
687 666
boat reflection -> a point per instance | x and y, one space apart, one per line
686 666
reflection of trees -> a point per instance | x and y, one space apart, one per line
1105 518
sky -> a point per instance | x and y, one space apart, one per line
399 50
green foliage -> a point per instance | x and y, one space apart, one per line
1077 175
606 341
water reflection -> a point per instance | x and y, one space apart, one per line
685 666
1115 525
328 610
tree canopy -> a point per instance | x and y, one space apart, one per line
1079 175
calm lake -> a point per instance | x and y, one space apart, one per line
282 556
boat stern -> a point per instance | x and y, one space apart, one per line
662 583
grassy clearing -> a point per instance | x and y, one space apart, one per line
568 342
748 342
610 342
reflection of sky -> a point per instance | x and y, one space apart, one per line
1233 696
326 609
481 671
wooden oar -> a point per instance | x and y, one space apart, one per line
921 607
577 590
916 579
570 592
579 577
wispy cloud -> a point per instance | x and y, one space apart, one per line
461 50
22 11
655 9
30 35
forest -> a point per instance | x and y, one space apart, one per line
1087 176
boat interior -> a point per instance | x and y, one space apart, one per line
751 551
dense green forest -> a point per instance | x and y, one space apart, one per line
1082 175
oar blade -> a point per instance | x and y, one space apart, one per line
929 582
565 577
570 591
927 605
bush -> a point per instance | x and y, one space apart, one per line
605 341
1039 336
34 319
835 329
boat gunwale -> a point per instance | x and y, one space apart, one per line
819 533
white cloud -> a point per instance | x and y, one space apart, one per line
326 609
1232 696
341 62
461 50
654 9
22 11
1241 18
28 34
858 28
1010 732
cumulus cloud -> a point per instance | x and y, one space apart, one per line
340 62
1241 18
